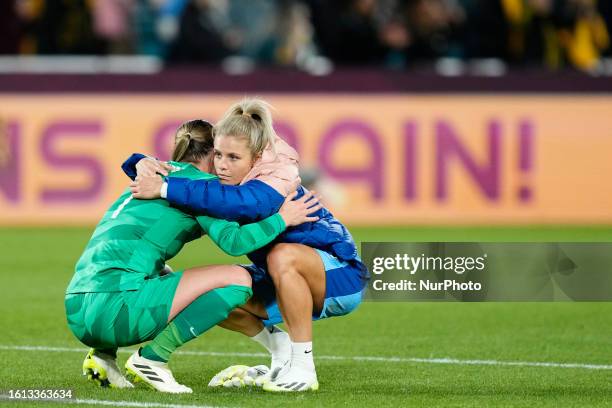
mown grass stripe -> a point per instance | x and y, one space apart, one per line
454 361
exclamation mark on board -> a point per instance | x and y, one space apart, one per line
525 161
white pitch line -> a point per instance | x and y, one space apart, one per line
108 403
346 358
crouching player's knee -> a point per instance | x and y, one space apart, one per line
237 275
225 299
282 256
234 295
282 260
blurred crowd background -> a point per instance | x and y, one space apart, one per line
315 34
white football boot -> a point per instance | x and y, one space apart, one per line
272 374
281 357
294 378
102 370
155 374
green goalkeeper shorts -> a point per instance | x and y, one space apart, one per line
109 320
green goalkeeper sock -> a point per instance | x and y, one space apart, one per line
203 313
164 344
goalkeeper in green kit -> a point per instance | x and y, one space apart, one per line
119 297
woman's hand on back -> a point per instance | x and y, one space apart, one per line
148 167
146 188
296 212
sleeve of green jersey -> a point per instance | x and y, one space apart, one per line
237 240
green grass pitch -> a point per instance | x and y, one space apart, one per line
37 264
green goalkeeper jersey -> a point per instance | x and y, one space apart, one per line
135 238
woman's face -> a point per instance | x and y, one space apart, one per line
233 159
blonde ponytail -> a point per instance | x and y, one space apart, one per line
193 141
250 119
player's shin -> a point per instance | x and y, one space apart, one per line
203 313
206 311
